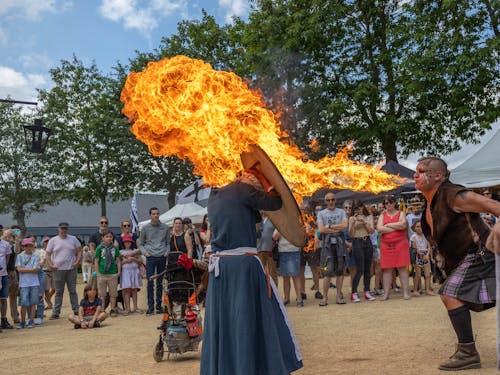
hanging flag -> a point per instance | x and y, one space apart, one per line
194 193
133 214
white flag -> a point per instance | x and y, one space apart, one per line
133 214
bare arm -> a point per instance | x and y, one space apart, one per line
276 235
468 201
401 224
78 257
381 228
333 228
189 244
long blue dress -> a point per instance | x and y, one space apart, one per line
245 332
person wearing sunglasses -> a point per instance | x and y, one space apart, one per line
96 238
394 246
453 226
331 223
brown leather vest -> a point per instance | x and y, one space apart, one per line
452 237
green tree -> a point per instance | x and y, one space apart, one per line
395 76
25 185
91 140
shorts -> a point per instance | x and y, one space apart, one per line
4 292
107 283
49 280
310 257
332 263
13 283
28 296
290 263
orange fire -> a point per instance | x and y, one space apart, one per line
309 229
182 107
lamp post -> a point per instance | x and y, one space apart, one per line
36 136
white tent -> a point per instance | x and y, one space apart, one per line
192 210
482 168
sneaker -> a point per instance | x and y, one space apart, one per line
303 295
30 324
332 285
78 326
54 317
378 292
300 303
314 287
6 324
113 313
355 298
97 324
21 325
318 295
149 312
159 310
369 297
38 321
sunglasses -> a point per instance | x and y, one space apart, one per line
389 202
103 222
126 225
330 200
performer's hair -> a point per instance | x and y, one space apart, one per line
437 163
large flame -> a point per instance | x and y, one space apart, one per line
182 107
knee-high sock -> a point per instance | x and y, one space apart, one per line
462 324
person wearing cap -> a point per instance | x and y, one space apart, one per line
96 238
50 289
64 253
5 253
28 265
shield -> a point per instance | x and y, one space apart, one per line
287 219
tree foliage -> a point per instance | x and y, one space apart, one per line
91 139
25 185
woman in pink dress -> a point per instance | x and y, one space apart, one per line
394 247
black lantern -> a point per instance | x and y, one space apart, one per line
36 137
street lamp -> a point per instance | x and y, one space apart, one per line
36 136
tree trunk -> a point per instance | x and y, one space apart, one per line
389 147
103 205
171 197
20 216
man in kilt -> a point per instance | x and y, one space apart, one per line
452 224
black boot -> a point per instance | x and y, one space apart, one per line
465 357
5 324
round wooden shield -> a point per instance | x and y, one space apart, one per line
287 219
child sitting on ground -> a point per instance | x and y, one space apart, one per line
422 259
90 314
28 264
130 279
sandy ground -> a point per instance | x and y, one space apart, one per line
391 337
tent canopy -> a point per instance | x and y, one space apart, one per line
482 168
192 210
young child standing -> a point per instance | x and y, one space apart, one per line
422 259
130 279
28 264
90 312
108 267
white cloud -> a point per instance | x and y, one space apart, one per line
237 8
144 18
32 9
20 86
36 61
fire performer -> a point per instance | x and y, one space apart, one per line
452 224
246 328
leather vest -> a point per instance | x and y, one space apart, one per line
452 237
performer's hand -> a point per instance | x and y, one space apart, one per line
268 188
493 241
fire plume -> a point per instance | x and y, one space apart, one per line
183 107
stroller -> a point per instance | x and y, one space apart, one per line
181 327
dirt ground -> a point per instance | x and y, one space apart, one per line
390 337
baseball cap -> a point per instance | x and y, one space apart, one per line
27 241
63 225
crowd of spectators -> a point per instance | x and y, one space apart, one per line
380 243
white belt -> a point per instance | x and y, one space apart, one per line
213 262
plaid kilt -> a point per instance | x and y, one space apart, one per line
473 281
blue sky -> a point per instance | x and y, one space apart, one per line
35 35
